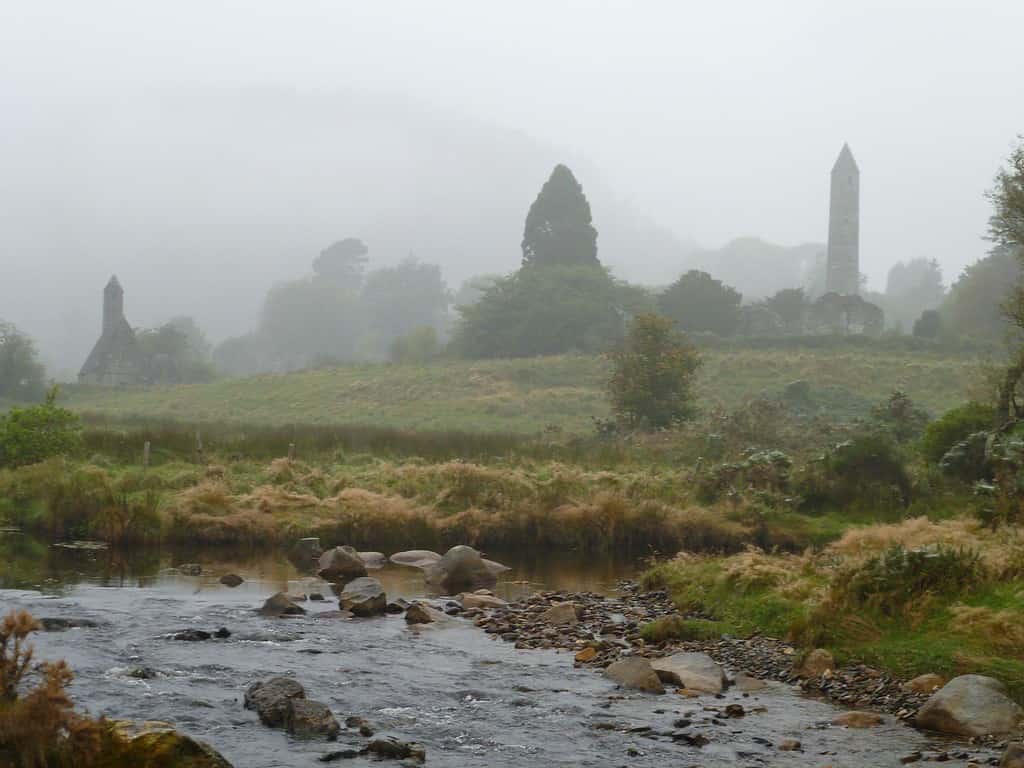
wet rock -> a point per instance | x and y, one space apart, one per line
271 699
360 724
190 569
419 613
635 672
191 635
59 624
340 565
334 615
415 558
154 743
970 705
340 754
392 749
749 684
363 597
858 720
693 671
1013 757
373 559
461 569
222 633
231 580
281 605
473 600
734 710
587 654
928 683
316 597
561 614
816 663
142 673
790 745
305 552
399 605
310 718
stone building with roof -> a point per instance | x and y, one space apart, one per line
115 360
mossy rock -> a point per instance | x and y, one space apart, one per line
155 745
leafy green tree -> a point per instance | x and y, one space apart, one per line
343 262
397 300
310 319
911 288
177 351
697 302
789 304
544 311
21 373
473 289
31 435
928 325
418 347
559 230
242 355
974 305
653 372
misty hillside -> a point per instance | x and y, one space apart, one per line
200 198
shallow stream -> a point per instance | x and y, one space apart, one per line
470 700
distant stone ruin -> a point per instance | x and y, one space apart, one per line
847 315
115 360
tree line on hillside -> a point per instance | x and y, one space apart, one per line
561 299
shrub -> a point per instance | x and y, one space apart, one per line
900 417
893 580
39 727
697 302
653 373
30 435
867 470
679 629
953 427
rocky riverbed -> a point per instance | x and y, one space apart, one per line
444 687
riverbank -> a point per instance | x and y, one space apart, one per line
465 698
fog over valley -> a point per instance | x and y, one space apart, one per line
206 151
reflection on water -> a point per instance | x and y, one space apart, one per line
57 567
471 700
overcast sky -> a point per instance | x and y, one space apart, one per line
715 119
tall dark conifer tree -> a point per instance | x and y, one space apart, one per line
558 229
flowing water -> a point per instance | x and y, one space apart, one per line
470 700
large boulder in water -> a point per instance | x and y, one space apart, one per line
363 597
970 705
693 671
281 605
415 558
153 744
462 569
271 699
340 565
635 672
310 718
305 552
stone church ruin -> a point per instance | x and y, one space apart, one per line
115 360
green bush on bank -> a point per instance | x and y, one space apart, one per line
30 435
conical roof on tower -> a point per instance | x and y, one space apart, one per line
845 161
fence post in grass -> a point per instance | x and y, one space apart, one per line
291 451
145 455
199 448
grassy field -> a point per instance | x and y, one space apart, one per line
529 395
